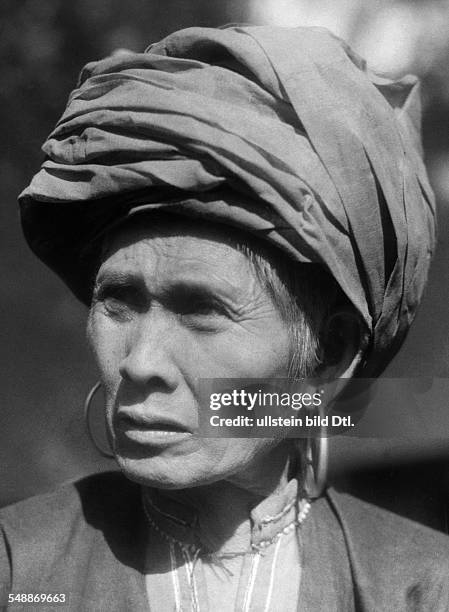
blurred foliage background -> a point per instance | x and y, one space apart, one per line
45 368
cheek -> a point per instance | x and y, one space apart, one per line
245 353
108 345
228 456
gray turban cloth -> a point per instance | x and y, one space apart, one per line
280 131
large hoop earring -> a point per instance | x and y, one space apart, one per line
87 406
314 461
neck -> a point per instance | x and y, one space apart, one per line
223 508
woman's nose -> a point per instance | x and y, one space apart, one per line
149 354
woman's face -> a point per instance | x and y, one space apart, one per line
172 306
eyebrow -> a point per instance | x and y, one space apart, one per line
182 289
118 276
177 288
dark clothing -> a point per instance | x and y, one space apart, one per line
89 539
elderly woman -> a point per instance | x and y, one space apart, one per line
242 203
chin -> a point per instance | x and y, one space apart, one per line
155 473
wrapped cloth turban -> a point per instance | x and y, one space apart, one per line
280 131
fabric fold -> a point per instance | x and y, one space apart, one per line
315 154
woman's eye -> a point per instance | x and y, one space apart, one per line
197 307
203 315
119 302
204 308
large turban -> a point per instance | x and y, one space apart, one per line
280 131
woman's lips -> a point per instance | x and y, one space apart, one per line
150 429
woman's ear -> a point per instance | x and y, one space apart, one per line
343 342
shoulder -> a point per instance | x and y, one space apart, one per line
392 555
57 510
64 526
383 528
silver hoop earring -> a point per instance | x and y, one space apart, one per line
87 406
314 461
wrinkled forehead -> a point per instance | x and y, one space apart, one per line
168 249
181 237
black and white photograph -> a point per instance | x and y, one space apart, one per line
224 252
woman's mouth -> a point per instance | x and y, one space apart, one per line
150 429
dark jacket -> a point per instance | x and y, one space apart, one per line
87 540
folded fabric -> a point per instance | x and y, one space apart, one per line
280 131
